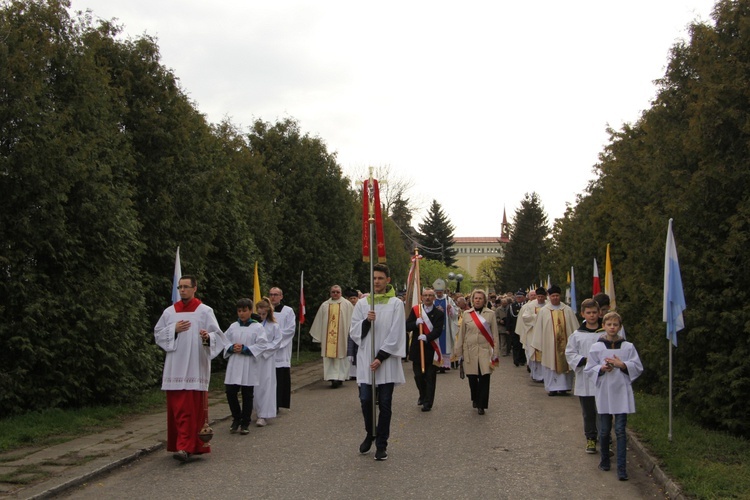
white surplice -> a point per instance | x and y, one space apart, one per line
187 365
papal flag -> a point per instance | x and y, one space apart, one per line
256 287
609 282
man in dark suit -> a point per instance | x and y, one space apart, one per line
425 321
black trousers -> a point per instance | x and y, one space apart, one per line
519 355
425 381
283 387
479 385
241 414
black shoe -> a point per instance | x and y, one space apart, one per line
427 407
420 402
480 411
622 476
366 445
604 467
552 393
381 454
473 404
441 370
234 427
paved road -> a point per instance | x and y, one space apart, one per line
528 445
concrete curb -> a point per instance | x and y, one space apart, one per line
651 465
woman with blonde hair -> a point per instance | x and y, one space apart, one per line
477 348
265 393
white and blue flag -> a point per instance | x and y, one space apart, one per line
674 296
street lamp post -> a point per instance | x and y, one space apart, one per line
459 278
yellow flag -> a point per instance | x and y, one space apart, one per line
256 287
609 282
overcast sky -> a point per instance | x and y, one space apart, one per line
477 103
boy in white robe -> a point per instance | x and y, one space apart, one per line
247 341
614 364
576 352
190 335
387 325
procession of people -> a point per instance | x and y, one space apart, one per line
370 335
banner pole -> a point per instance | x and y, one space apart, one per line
371 221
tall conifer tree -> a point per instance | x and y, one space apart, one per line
521 264
436 236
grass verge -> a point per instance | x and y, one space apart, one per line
706 464
44 428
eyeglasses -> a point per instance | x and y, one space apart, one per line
184 287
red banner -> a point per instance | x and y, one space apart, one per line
371 194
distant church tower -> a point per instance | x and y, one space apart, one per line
504 234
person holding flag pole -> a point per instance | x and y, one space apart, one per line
380 316
425 322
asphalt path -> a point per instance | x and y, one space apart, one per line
527 445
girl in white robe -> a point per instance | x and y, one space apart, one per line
264 401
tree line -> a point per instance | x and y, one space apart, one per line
687 157
106 167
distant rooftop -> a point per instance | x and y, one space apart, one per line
478 239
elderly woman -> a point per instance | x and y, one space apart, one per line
477 348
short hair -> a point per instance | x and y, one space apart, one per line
245 303
193 281
382 268
427 289
265 302
478 290
612 315
279 289
602 299
589 304
335 286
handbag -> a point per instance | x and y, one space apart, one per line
461 372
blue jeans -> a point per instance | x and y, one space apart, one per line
385 399
605 431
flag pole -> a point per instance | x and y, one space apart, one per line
371 221
669 435
418 284
299 335
674 305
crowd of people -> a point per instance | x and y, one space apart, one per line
368 337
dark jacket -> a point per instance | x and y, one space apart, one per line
437 317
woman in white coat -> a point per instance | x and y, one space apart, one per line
477 348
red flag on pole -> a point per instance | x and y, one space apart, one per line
371 195
597 288
302 298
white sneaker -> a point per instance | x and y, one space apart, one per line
261 422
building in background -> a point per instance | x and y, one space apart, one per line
473 250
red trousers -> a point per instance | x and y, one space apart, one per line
186 415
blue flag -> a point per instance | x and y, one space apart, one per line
674 296
573 290
176 277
